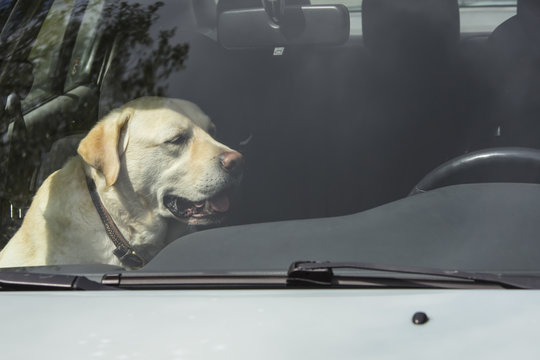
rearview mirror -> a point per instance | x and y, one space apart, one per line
297 25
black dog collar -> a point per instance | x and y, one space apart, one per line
124 251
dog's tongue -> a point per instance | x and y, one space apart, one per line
220 203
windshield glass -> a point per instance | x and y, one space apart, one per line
200 130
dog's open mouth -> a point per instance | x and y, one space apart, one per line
206 211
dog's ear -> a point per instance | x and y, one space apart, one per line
101 148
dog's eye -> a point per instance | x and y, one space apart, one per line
178 140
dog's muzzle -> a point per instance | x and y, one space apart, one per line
212 209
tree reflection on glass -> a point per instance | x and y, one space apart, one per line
142 62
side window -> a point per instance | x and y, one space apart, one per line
85 46
45 52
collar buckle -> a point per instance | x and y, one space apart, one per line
129 257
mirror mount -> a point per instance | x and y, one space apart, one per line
275 9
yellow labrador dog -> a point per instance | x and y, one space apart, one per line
150 160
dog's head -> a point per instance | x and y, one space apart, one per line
162 150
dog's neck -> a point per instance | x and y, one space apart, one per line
136 219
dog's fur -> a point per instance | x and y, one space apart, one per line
136 155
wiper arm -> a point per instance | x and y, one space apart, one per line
21 281
321 273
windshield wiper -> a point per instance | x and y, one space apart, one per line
300 274
322 274
313 273
23 281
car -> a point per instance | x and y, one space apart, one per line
390 194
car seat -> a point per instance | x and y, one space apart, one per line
415 86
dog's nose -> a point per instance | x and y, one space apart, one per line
232 162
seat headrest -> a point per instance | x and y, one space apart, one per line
528 16
528 13
528 6
403 27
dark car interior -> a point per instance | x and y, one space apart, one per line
327 129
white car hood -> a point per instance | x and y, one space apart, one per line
270 324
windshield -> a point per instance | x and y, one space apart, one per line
259 133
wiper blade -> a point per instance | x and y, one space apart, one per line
309 273
22 281
135 280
